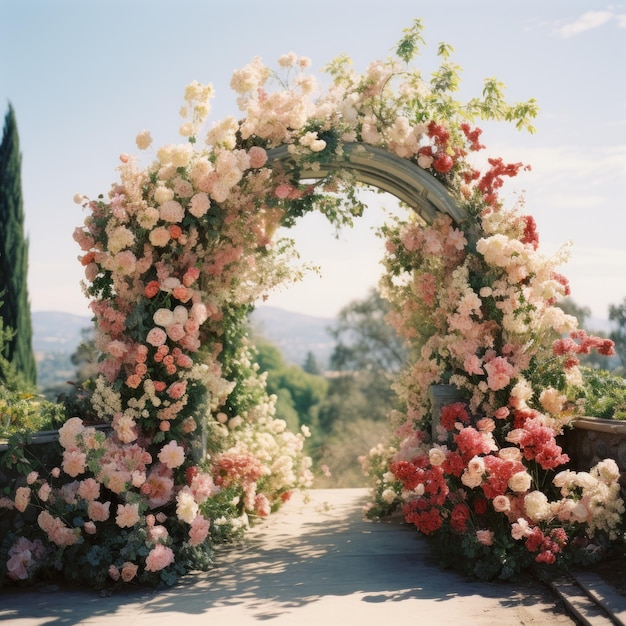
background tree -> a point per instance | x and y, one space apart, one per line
594 360
366 360
617 314
299 393
353 417
15 305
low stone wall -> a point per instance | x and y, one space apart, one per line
594 439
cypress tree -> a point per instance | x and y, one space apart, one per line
14 301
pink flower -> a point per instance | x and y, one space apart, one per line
74 462
177 390
199 530
31 478
171 211
89 527
175 332
44 492
159 237
199 205
98 511
258 157
157 533
127 515
159 557
499 373
114 573
156 337
89 489
485 537
22 498
159 486
172 455
129 571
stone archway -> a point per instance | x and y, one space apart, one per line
382 169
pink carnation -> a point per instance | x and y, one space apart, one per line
159 557
199 530
171 211
499 373
98 511
74 462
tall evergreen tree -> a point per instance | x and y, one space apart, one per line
14 304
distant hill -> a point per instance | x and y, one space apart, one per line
56 335
57 332
295 334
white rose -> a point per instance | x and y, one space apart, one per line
537 506
520 482
163 317
186 506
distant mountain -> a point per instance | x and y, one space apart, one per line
57 332
294 334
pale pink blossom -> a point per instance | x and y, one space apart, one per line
159 557
198 530
127 515
159 237
156 337
485 537
74 462
172 211
22 498
44 492
89 489
98 511
129 571
199 204
172 455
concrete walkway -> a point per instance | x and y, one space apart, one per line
312 563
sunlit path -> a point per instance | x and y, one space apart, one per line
316 562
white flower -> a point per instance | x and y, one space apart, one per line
143 140
163 317
537 506
186 506
520 482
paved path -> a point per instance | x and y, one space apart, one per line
317 563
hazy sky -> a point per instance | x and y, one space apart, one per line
85 77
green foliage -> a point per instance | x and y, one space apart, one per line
297 390
604 394
26 412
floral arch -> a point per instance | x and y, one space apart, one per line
178 251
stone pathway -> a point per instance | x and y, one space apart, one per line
312 563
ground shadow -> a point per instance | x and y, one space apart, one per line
304 554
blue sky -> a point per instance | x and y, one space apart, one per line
85 77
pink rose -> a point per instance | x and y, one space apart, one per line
156 337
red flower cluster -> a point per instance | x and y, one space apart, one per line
547 546
580 343
453 413
537 443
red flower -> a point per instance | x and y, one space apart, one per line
443 164
458 517
152 288
452 413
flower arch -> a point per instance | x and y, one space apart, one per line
178 251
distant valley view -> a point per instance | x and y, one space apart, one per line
56 335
